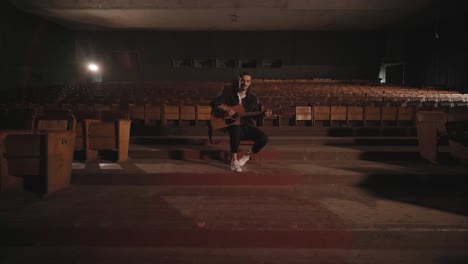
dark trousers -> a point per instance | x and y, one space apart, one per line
237 133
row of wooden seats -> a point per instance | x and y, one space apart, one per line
194 114
339 85
314 93
139 91
201 114
196 92
110 131
362 100
366 115
197 113
41 108
98 135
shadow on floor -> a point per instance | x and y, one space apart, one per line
441 192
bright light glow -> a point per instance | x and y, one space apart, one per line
93 67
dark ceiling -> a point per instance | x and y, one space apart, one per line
320 15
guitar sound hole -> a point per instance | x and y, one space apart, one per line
230 121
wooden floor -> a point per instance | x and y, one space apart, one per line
292 206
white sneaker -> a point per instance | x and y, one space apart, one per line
244 160
235 166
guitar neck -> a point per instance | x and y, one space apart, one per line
252 113
240 110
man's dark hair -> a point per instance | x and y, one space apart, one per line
245 73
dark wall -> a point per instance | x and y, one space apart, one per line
438 62
438 55
34 52
338 55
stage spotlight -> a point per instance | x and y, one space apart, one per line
93 73
93 67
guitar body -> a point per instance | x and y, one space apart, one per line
220 122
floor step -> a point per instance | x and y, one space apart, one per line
286 152
293 131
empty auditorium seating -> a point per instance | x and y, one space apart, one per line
405 116
70 107
337 115
457 131
187 113
38 161
137 112
112 132
431 127
321 114
111 115
285 115
372 116
173 103
458 100
303 114
171 113
52 107
37 108
102 107
153 113
203 114
85 111
79 136
54 120
389 115
444 100
355 115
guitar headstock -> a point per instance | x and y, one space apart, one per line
274 110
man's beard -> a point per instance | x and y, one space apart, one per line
242 88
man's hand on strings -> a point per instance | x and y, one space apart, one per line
231 113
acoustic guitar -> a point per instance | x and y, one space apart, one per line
223 121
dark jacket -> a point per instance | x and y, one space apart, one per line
250 104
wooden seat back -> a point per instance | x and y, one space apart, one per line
54 120
47 156
303 113
430 127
